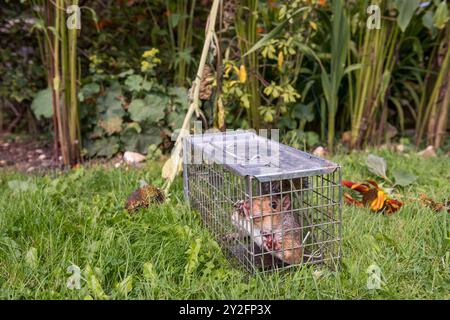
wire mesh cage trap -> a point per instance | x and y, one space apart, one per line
269 205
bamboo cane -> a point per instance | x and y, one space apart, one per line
171 167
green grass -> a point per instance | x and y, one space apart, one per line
78 218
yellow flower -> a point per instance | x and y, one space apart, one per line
313 25
150 53
280 61
145 66
242 74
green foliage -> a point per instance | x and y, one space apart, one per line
131 110
42 104
406 9
378 166
76 219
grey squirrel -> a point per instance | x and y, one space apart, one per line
272 224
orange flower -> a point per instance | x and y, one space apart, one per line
322 3
259 30
372 196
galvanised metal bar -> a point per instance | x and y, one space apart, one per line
269 214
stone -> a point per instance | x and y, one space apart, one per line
429 152
133 158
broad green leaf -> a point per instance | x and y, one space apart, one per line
441 16
126 73
406 10
137 110
311 138
89 90
152 108
134 126
174 19
95 287
179 96
42 104
139 142
106 147
427 21
304 112
192 256
111 124
376 165
134 82
175 120
111 102
158 104
125 286
403 178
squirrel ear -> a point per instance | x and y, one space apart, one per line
286 203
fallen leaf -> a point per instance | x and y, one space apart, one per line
403 178
143 197
372 196
376 165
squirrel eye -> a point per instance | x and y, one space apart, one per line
274 204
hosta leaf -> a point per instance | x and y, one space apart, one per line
42 104
376 165
403 178
406 10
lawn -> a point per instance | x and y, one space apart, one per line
49 223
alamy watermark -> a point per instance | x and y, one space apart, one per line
232 147
374 20
74 19
374 281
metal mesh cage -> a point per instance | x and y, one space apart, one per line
269 205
